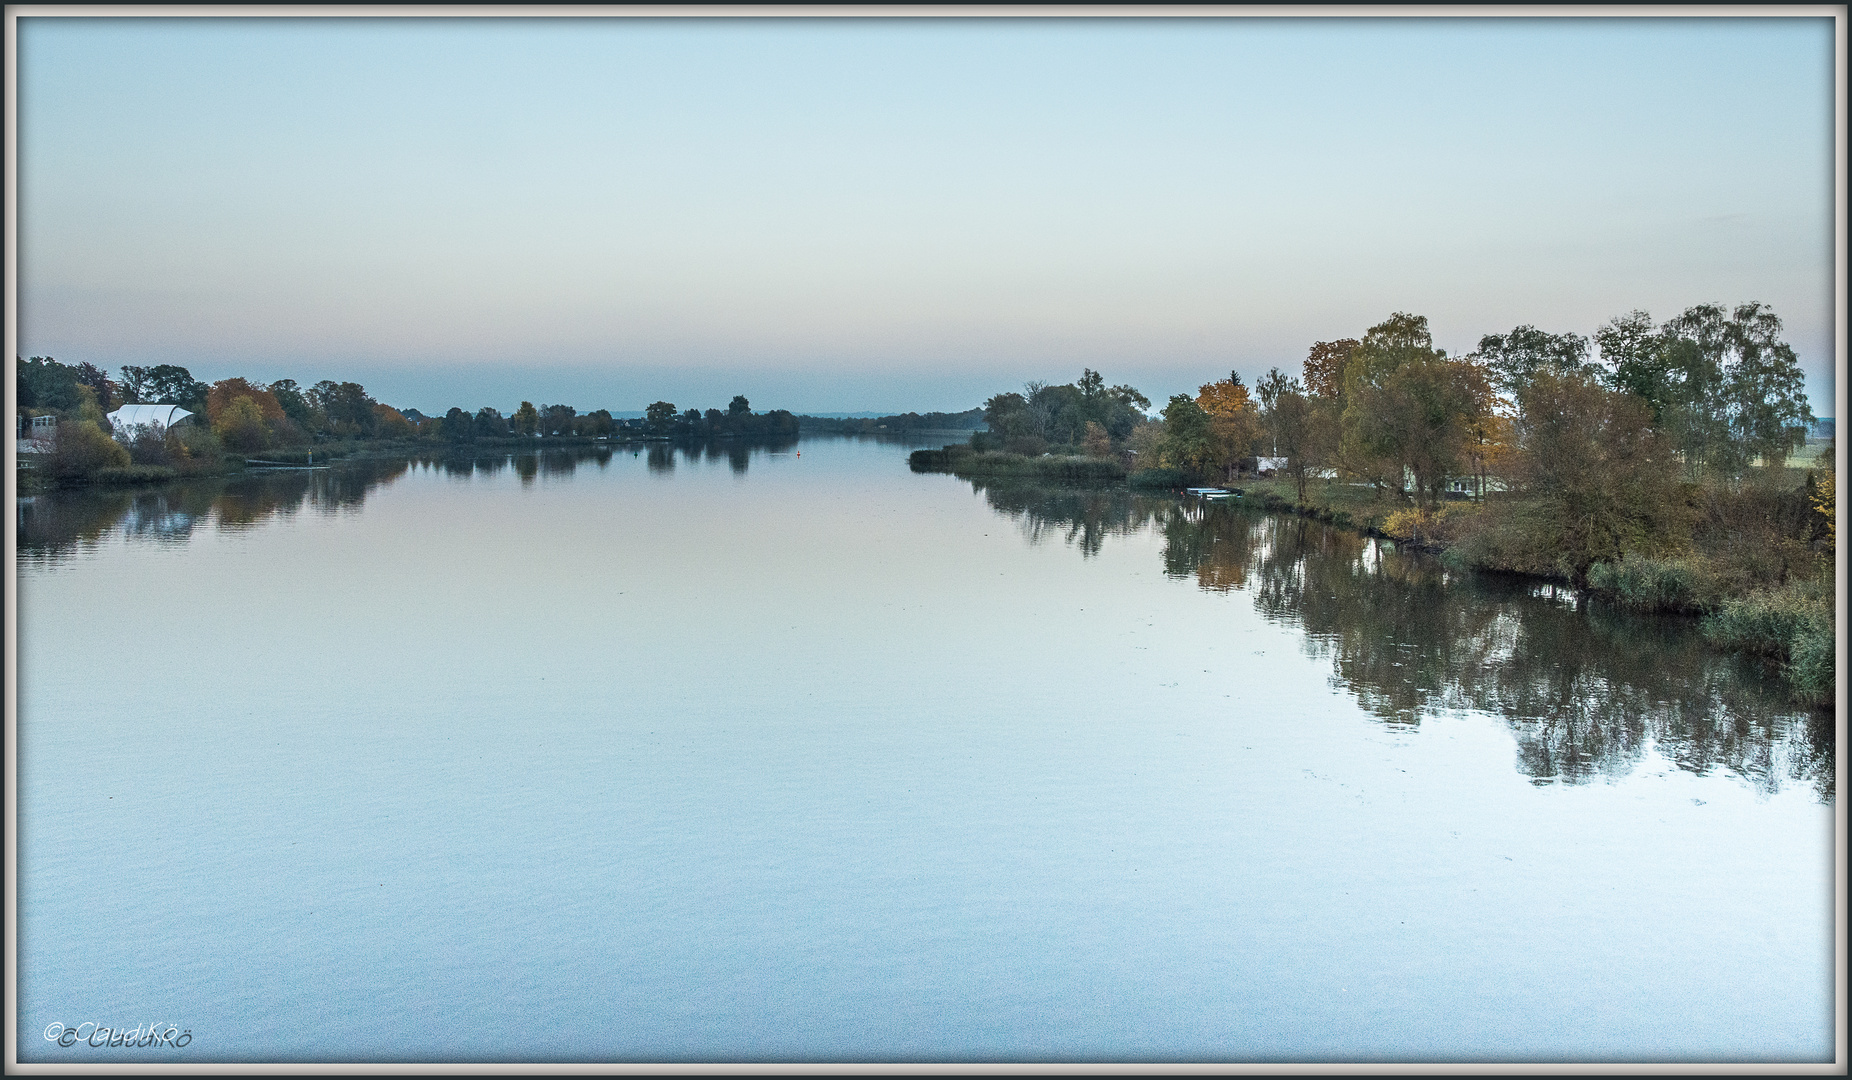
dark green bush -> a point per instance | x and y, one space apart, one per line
1813 662
1156 478
1648 584
1773 622
1066 470
936 460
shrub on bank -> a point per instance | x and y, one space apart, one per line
1505 540
198 442
151 444
1771 621
83 450
1440 526
1644 583
963 461
1813 661
935 460
1755 535
1793 624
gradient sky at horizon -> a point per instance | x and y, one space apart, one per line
876 214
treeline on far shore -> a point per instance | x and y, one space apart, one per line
969 420
63 422
1652 469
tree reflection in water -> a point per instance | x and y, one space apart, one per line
52 527
1078 516
57 525
1584 688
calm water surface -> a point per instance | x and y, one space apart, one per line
747 754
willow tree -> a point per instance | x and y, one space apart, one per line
1721 384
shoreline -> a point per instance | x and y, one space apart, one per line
1775 624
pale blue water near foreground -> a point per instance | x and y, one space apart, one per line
811 758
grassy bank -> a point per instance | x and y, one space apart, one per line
1347 506
964 462
1750 560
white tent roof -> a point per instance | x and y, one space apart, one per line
130 416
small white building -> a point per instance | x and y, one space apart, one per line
38 434
126 419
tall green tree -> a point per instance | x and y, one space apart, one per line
659 418
295 405
163 384
1765 394
1189 441
108 393
1409 410
240 425
1721 384
1046 413
1598 472
347 406
1290 420
42 383
1512 360
596 422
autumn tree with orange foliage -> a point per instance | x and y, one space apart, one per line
1324 367
392 423
1234 420
240 425
226 391
279 428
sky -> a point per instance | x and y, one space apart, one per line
896 214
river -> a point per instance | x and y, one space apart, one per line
787 753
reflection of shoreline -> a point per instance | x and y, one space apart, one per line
1587 691
1082 517
55 524
51 526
